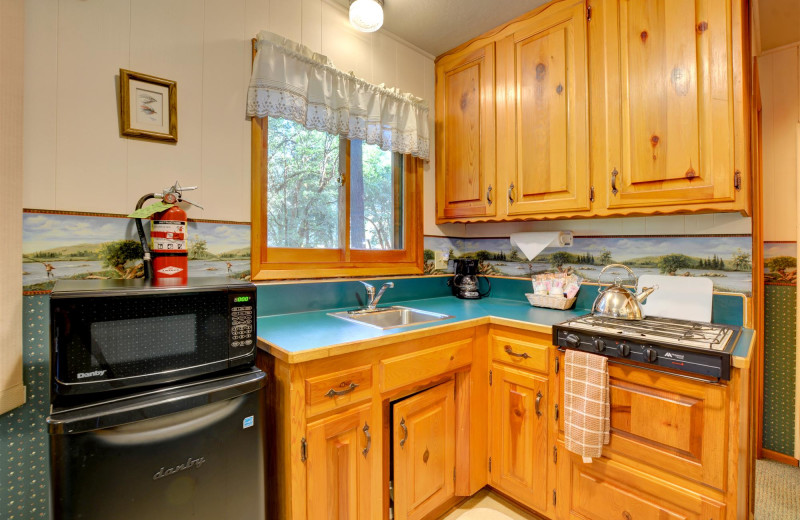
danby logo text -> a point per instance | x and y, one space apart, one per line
190 463
84 375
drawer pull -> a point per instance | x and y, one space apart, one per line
511 194
489 195
538 403
405 432
510 352
336 393
626 515
369 439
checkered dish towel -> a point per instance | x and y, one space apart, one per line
587 410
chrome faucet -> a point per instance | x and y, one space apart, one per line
372 298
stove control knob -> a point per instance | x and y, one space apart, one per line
572 341
650 355
599 345
624 350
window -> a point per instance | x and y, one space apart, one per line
326 206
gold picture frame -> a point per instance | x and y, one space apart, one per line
148 106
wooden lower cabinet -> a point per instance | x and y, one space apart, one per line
424 451
606 490
443 415
518 432
339 460
671 422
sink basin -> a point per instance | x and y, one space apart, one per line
389 317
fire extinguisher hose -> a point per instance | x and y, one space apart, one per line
148 262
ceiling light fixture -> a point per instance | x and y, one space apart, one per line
366 15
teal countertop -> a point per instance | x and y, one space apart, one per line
308 331
304 336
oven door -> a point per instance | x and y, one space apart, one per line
191 452
105 343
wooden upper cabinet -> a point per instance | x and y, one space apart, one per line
663 81
465 135
542 113
424 451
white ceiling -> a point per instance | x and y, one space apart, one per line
436 26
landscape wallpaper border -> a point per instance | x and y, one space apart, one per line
780 263
71 245
85 245
727 260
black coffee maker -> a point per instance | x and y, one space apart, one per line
465 284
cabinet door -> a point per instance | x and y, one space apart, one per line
465 135
424 451
542 113
338 466
519 435
663 82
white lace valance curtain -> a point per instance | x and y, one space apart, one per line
292 82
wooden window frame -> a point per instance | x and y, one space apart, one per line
288 263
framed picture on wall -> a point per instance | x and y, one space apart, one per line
148 106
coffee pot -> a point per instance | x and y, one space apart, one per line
465 284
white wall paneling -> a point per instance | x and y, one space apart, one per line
76 159
41 88
12 391
779 75
91 166
171 45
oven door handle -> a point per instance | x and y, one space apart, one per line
712 381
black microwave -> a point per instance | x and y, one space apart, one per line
108 335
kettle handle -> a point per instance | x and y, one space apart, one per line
630 271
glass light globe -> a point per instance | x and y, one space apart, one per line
366 15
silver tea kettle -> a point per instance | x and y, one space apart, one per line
618 302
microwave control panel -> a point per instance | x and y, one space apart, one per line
243 337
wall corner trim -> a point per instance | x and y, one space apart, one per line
12 398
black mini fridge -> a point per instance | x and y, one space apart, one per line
187 451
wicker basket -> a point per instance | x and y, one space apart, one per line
550 302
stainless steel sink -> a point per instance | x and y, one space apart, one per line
389 317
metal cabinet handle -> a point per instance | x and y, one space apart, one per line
626 515
510 194
369 439
614 174
510 352
489 195
405 432
538 403
336 393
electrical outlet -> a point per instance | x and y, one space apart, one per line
440 259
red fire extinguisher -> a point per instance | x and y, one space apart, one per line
166 255
168 247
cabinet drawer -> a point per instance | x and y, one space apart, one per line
519 353
603 490
418 366
331 391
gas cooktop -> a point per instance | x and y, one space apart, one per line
687 346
